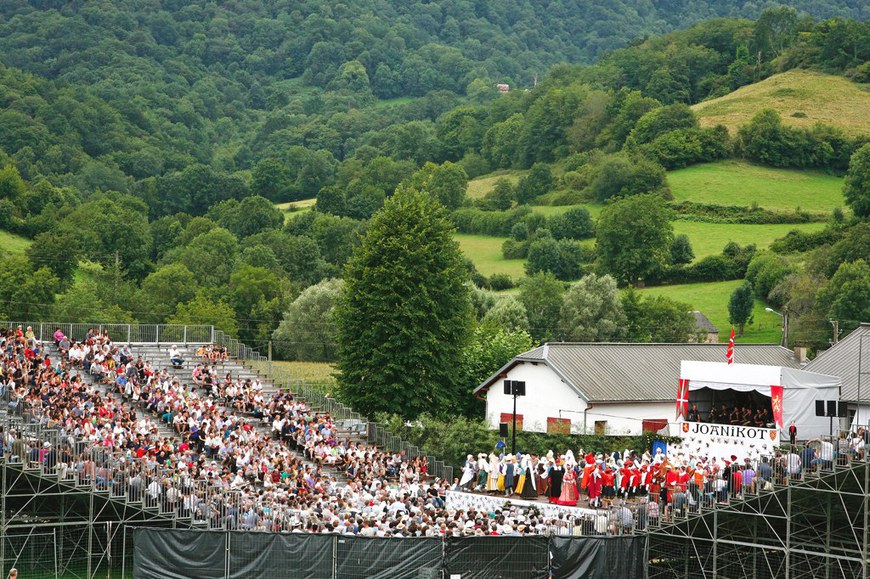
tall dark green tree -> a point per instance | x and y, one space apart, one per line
740 307
405 313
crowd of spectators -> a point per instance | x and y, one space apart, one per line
223 452
217 450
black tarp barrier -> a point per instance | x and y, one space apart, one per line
178 554
182 554
301 555
496 557
388 558
597 558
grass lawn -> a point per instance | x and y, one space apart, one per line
12 244
485 252
711 299
733 182
308 371
294 209
480 186
802 97
711 238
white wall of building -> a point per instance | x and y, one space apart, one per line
628 418
546 395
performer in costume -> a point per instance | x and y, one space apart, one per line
568 496
529 490
520 476
542 472
492 473
483 471
595 485
509 474
557 471
467 473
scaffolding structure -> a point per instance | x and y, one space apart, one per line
809 525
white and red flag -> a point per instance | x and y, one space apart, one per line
682 398
729 353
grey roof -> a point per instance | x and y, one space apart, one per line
702 324
842 361
602 372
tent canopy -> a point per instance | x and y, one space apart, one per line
800 388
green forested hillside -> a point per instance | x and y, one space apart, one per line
152 140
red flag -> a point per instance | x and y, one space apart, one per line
776 404
729 353
682 398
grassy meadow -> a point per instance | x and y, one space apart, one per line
711 238
294 209
485 252
734 182
321 372
802 97
480 186
11 244
711 299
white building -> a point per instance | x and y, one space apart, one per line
605 388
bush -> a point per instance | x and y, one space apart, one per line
561 258
474 220
513 249
500 281
683 147
800 241
575 223
765 271
622 176
710 213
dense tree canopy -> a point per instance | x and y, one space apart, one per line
404 316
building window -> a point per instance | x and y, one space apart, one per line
509 418
600 427
558 425
654 424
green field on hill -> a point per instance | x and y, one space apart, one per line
480 186
711 299
319 372
802 97
296 208
12 244
711 238
734 182
485 252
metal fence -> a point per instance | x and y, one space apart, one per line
124 333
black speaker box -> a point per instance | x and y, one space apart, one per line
832 408
820 407
519 388
842 409
502 429
507 387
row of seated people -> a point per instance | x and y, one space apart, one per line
734 415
